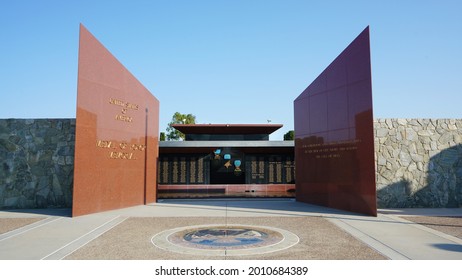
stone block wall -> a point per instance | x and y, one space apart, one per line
418 162
36 162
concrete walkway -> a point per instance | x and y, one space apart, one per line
58 235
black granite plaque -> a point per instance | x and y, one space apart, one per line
256 170
183 170
200 171
289 170
192 170
175 170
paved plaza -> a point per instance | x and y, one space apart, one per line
316 232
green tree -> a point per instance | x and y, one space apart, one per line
178 118
162 136
289 135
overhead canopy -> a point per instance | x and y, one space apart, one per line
227 128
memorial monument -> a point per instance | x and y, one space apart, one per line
334 134
117 128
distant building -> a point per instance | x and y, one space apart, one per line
226 160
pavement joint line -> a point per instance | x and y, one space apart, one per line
88 241
86 234
24 229
302 212
372 242
428 229
257 211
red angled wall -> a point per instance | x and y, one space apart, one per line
334 146
117 130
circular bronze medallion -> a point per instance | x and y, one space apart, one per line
224 240
225 237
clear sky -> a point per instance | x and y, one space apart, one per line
233 61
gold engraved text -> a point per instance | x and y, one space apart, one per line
104 144
124 118
121 150
126 106
121 155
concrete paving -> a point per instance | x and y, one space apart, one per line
58 235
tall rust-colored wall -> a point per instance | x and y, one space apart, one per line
117 130
334 146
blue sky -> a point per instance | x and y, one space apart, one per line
233 61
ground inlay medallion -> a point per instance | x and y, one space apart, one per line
225 237
224 240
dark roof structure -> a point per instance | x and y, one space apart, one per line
227 128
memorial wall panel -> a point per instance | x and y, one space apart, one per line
195 169
270 169
334 146
117 132
184 169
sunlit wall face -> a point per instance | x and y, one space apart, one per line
334 146
117 130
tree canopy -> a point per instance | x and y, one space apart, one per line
178 118
289 135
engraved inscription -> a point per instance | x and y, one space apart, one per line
183 170
330 150
126 106
279 172
288 167
192 171
271 172
261 167
120 150
200 170
175 171
104 144
123 118
257 169
165 172
254 169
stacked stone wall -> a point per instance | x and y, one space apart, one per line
418 162
36 162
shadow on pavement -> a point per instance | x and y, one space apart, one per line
59 212
449 247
